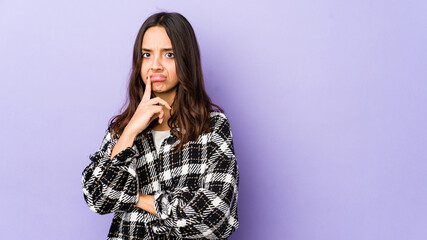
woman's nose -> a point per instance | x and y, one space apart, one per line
156 64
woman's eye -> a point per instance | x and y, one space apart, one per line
145 55
170 55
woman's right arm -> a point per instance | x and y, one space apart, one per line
109 182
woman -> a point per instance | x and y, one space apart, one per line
166 166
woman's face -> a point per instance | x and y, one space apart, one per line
158 61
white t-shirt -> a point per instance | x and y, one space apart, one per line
159 136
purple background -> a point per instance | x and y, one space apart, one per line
326 99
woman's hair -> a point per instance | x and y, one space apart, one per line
191 106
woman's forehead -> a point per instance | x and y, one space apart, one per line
156 37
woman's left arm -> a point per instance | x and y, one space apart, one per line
211 210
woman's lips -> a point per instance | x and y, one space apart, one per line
157 77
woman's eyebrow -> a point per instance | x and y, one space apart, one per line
163 49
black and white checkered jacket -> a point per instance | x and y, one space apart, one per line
195 190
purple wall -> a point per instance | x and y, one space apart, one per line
326 99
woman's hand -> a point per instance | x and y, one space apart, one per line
146 202
148 110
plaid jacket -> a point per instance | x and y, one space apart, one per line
195 190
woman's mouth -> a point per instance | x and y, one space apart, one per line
157 77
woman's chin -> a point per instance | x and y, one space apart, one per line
162 89
158 90
159 87
162 92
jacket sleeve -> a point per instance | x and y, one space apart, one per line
111 185
211 210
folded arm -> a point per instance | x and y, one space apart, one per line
211 210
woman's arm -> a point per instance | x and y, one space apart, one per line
110 184
126 140
211 210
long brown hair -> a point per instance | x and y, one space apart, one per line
192 105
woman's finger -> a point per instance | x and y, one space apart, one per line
147 92
158 100
155 112
162 113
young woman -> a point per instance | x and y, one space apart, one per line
166 166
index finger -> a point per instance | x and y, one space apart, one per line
147 92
